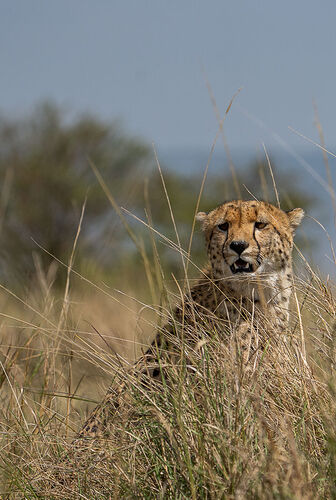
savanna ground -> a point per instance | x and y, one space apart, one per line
212 430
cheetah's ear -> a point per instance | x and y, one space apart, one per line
202 218
295 217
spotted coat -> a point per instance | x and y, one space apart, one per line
247 283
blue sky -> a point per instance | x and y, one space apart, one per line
141 61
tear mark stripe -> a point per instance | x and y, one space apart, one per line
257 242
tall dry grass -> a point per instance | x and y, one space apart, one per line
213 429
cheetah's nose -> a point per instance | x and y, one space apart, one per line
239 246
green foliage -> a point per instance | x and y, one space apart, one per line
45 176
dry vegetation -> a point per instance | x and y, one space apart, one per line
213 430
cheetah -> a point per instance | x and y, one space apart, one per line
247 282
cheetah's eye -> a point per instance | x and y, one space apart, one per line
224 226
260 225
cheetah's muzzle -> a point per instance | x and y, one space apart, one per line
241 266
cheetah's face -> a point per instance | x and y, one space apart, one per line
248 238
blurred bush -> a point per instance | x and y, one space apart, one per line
45 176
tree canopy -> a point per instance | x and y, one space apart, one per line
46 174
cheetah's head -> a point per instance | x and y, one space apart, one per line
248 238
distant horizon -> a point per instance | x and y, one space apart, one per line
301 145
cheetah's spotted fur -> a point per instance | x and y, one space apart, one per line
248 280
